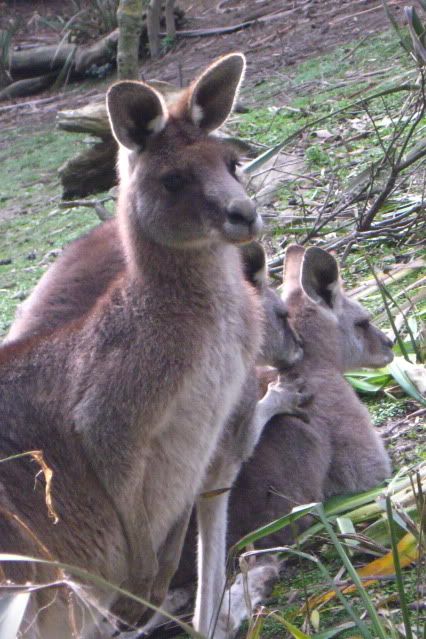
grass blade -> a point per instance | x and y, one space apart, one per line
379 630
12 610
398 572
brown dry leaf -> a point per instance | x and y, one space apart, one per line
37 455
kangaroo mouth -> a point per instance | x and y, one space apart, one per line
241 232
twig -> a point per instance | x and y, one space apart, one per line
102 213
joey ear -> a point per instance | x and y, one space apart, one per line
135 112
254 264
320 276
212 96
292 267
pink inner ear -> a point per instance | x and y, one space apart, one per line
293 265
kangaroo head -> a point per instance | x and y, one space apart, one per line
281 345
178 184
332 325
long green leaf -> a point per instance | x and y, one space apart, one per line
400 376
295 632
12 610
398 571
333 632
380 631
273 527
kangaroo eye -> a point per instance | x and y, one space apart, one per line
364 324
173 182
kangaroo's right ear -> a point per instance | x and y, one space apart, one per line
212 96
135 111
320 276
254 264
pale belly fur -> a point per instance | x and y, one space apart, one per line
178 459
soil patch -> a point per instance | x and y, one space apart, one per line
283 33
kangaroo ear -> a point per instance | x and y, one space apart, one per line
135 111
212 96
292 267
320 276
254 264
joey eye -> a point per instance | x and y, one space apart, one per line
173 182
232 165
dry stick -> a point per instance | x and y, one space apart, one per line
102 213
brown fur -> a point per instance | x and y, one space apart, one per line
338 451
71 286
127 402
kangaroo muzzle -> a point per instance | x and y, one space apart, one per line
242 223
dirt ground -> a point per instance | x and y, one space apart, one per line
283 33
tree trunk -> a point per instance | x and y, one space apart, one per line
170 19
129 19
153 27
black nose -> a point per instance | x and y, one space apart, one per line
241 212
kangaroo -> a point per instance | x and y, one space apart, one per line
130 401
70 288
338 450
300 461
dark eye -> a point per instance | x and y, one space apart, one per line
173 182
364 324
233 164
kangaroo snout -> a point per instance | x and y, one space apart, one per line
242 223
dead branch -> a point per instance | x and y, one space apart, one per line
98 206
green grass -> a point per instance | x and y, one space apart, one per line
31 224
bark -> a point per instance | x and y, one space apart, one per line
22 88
153 27
91 119
129 19
91 171
42 60
170 19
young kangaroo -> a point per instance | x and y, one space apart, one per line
129 402
70 288
338 450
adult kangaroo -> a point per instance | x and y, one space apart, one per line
71 287
129 402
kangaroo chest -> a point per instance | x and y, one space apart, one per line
178 457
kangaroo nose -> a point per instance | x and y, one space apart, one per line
241 212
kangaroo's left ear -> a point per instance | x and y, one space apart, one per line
212 96
320 276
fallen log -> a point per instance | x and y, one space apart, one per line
92 171
41 60
30 86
